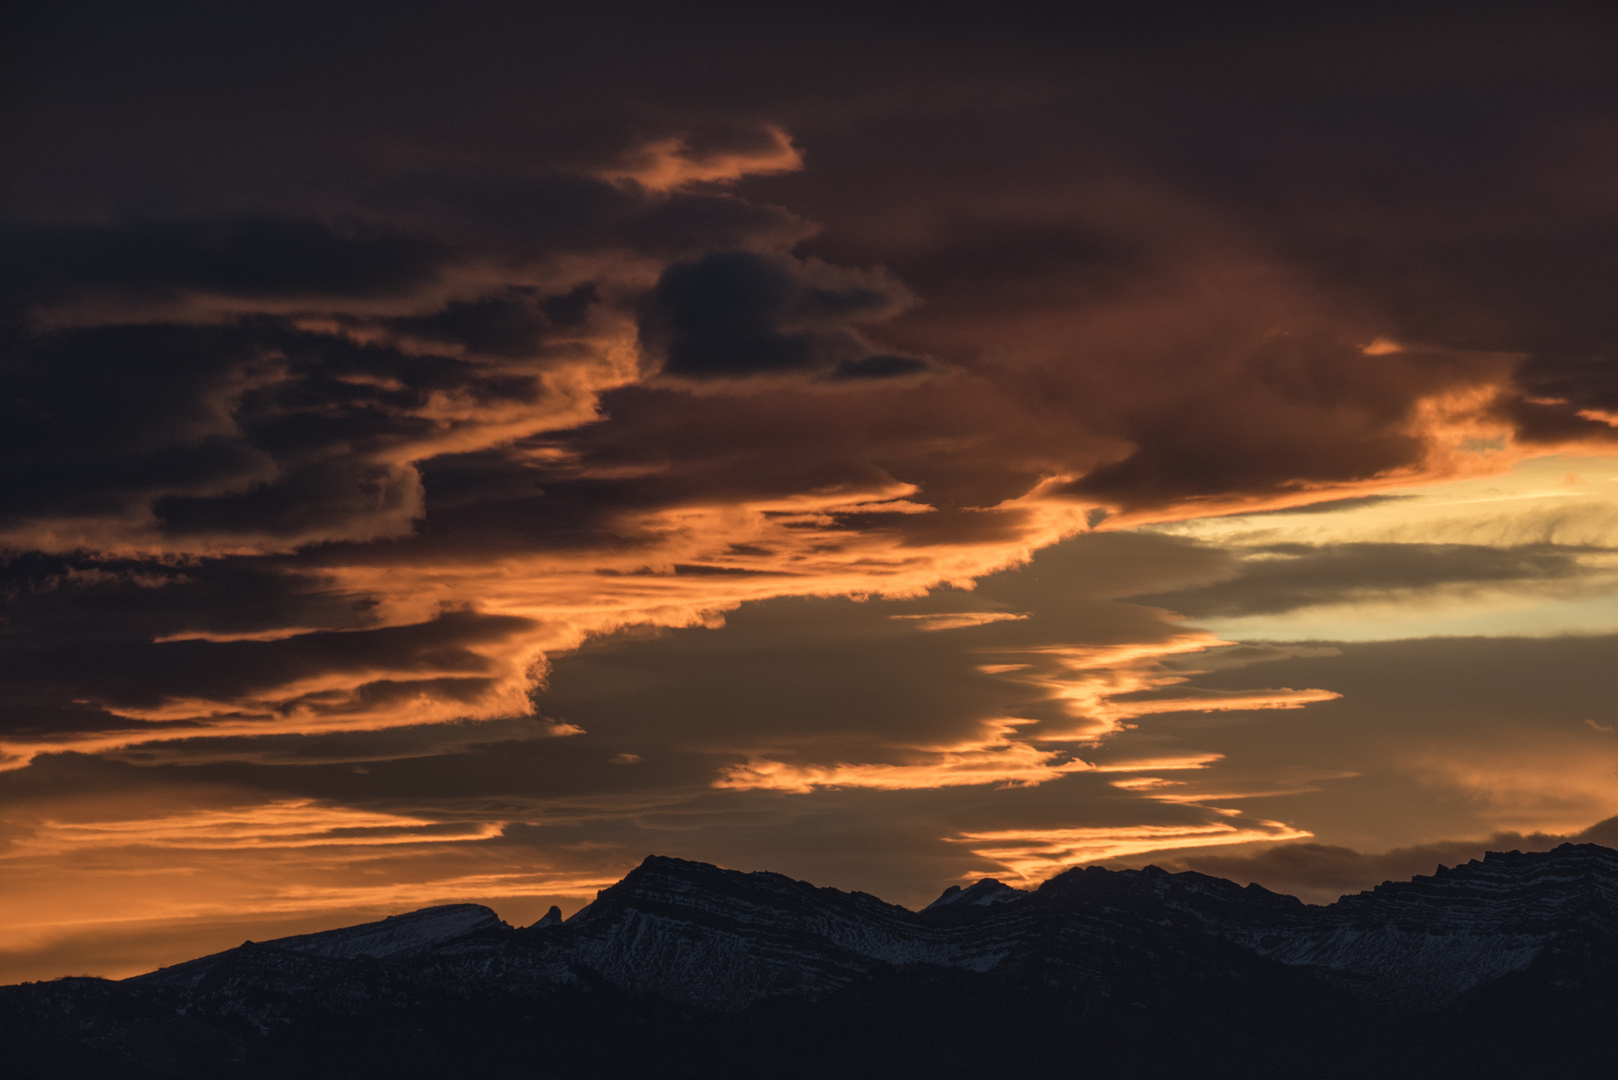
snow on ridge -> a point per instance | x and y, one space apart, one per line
984 893
396 935
1425 942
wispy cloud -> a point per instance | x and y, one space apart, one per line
1032 855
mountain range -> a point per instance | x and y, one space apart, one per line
1505 966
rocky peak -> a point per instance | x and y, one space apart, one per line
1526 892
553 917
984 893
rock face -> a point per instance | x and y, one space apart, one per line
1422 944
679 947
723 939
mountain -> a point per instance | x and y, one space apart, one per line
1503 966
396 937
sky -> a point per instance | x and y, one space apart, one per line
451 452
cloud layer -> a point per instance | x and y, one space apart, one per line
450 453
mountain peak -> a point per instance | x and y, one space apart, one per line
984 893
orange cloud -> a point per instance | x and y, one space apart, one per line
1552 784
560 599
672 163
1031 855
995 759
958 620
286 823
1097 685
1161 764
148 873
1092 683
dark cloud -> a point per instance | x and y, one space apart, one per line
736 314
1282 410
365 748
133 674
881 366
303 503
249 429
93 414
511 323
70 603
560 212
832 672
242 256
1560 420
53 599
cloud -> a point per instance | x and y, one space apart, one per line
255 435
1438 737
359 747
314 681
246 256
999 758
287 824
679 161
465 662
248 868
956 620
384 404
1101 691
732 315
511 323
1285 577
524 215
1161 764
1293 410
1033 855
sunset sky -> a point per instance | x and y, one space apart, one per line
451 452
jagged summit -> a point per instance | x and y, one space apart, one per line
662 880
983 893
1522 890
722 939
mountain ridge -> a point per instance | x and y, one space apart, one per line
678 946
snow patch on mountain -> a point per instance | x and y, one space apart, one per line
984 893
395 936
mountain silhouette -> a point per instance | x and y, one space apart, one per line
1505 966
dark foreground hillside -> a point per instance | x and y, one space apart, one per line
1504 967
